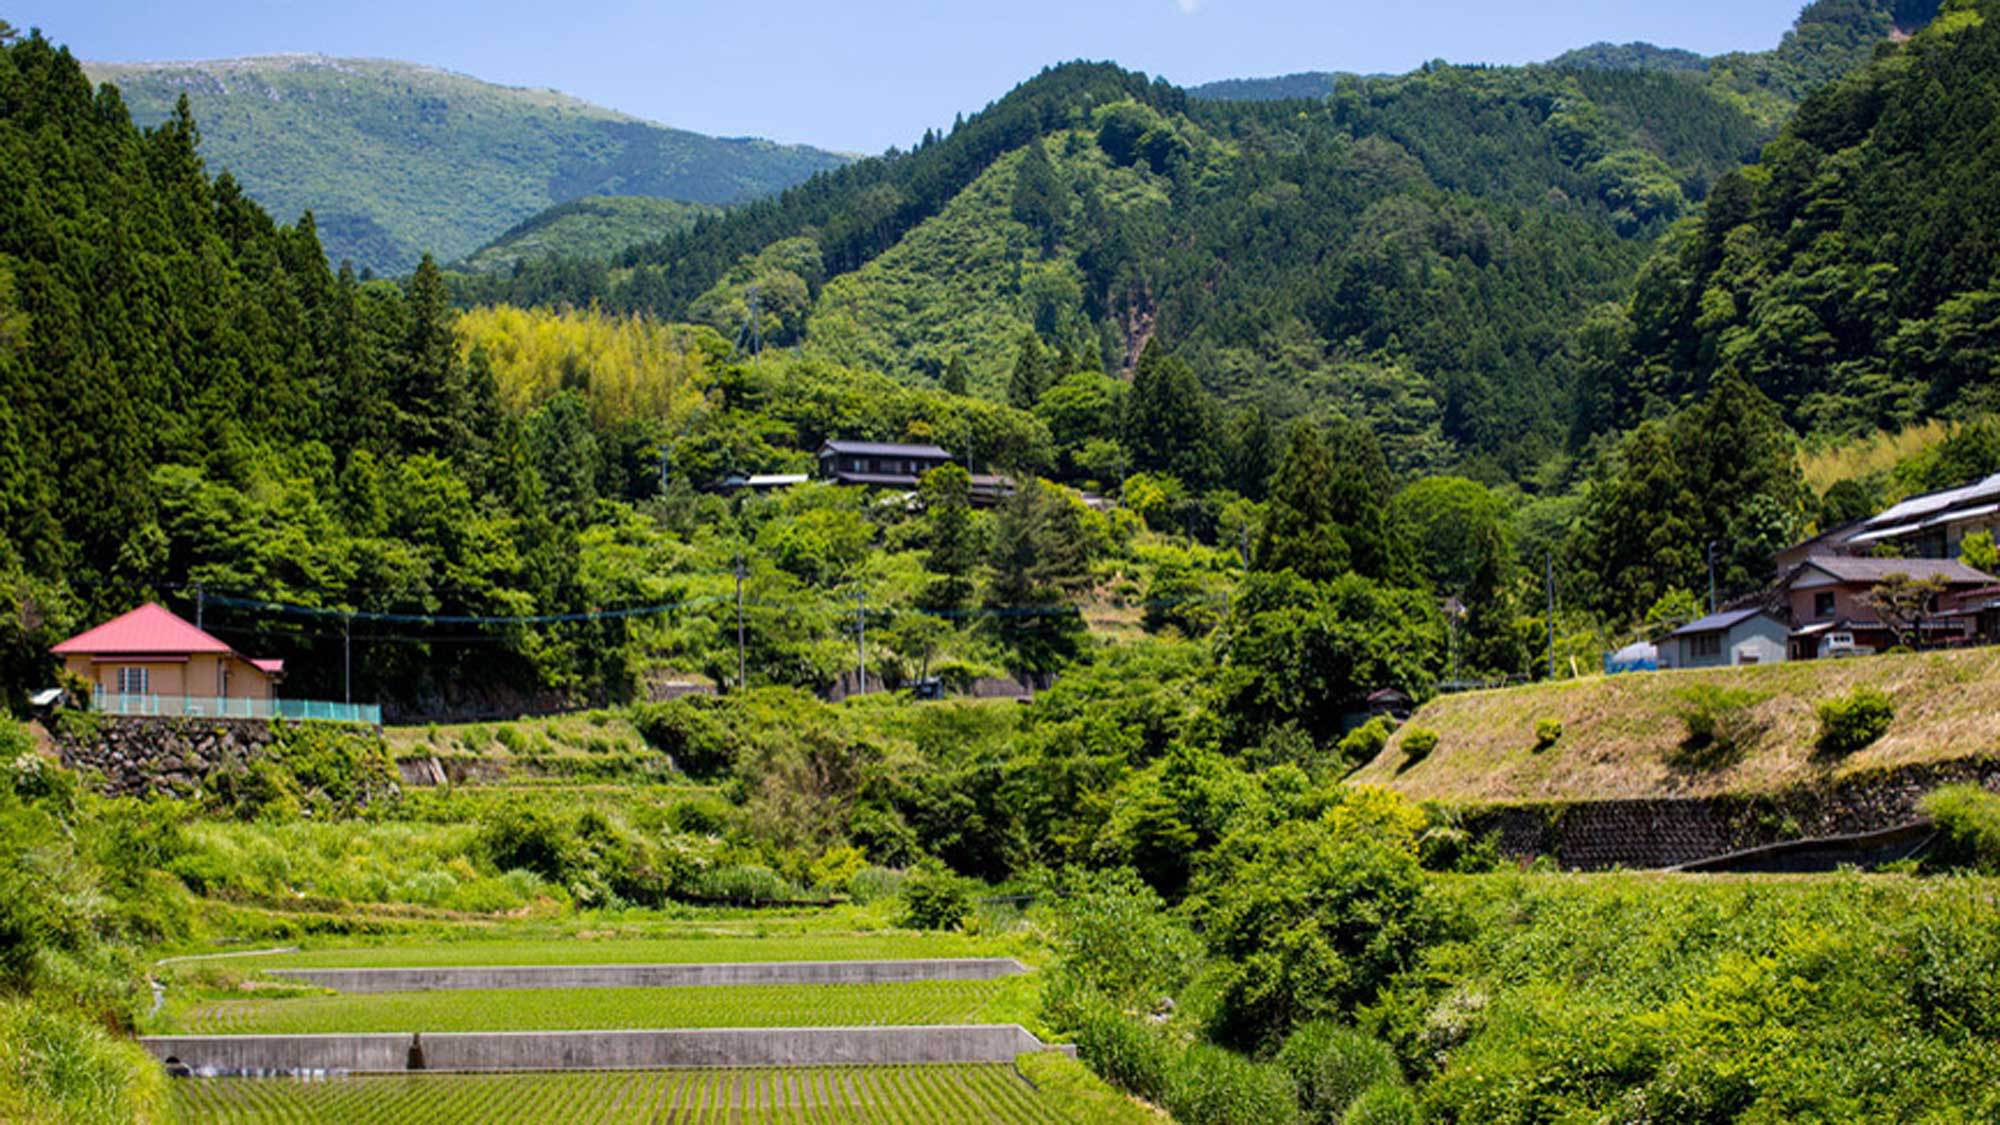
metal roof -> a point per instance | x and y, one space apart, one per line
1717 622
150 629
885 449
1932 503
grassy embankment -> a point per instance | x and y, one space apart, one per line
1627 736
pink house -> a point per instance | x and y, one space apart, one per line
1831 610
153 660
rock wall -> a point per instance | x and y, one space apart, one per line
138 756
1668 832
346 767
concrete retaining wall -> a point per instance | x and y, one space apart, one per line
653 976
224 1055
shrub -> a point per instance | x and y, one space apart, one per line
1314 917
872 883
1361 744
1127 1053
1386 1103
1418 742
692 731
1969 819
1331 1065
1720 726
1850 722
529 839
744 882
1548 732
1447 847
936 899
1212 1086
1114 937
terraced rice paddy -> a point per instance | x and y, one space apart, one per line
892 1095
594 1009
642 951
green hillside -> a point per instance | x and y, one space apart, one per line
598 227
1846 275
396 160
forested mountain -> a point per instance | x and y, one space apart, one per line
595 227
1411 250
1851 275
397 160
1631 56
1831 38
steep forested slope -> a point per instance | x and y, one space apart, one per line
1410 249
1851 275
397 160
595 227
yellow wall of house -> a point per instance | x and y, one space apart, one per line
195 676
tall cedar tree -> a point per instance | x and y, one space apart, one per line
1038 197
954 547
1031 374
957 376
1037 560
1299 529
1170 420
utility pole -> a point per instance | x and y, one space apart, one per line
666 464
861 640
1711 576
200 605
347 659
1552 614
742 677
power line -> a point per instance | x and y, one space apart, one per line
459 619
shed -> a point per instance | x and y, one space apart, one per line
1721 640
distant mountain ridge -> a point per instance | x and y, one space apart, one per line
1831 38
398 159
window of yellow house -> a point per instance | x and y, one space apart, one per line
135 681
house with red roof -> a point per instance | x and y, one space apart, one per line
153 661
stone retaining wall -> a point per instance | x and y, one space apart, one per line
652 976
225 1055
1668 832
141 755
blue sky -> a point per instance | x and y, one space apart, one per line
861 76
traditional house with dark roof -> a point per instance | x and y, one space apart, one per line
1833 611
878 464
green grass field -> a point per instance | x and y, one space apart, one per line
887 1094
1011 1000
